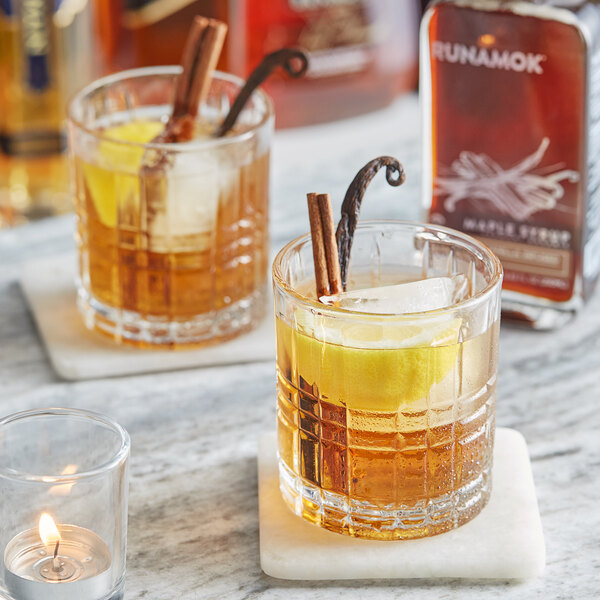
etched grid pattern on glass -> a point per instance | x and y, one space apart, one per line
403 484
361 451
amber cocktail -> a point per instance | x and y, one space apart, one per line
176 255
386 395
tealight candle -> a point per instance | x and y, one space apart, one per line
74 557
63 515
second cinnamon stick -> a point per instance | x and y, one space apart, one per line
325 253
319 257
329 241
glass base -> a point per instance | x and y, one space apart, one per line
358 518
538 313
78 589
118 593
128 327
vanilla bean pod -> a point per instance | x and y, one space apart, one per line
284 58
394 175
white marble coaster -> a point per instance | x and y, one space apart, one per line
77 353
505 541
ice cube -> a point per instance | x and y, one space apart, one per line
404 298
184 216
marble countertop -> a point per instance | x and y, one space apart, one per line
193 528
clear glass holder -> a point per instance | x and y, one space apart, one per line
63 484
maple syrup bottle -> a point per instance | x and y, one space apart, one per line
511 103
46 54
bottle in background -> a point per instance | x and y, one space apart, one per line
45 55
362 53
153 32
511 104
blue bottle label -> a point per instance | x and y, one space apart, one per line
36 43
6 7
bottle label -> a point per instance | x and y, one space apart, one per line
511 197
517 192
47 57
36 43
508 141
35 39
33 144
492 58
337 34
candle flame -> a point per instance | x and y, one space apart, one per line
48 530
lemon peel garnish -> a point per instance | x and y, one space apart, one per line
112 180
372 367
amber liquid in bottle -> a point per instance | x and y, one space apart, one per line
45 54
511 97
362 53
143 33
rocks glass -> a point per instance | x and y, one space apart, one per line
176 255
386 421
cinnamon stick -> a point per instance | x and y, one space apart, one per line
319 256
325 254
331 250
200 56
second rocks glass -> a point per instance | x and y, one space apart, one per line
175 256
386 420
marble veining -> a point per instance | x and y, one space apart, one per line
193 512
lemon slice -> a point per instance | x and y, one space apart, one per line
113 181
372 367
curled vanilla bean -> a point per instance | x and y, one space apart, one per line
284 58
394 175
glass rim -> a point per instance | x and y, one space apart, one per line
117 458
313 303
192 145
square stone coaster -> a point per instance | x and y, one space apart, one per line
505 541
77 353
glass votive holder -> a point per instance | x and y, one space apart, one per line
63 505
